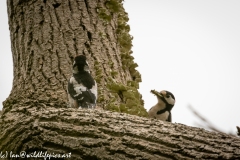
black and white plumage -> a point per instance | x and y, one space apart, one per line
82 88
162 110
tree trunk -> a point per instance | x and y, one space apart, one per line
46 35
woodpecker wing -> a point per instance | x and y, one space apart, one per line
71 92
70 89
80 93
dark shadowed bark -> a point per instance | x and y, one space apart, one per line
45 36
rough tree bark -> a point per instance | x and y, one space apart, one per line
46 35
99 134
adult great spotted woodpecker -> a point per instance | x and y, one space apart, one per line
162 110
82 88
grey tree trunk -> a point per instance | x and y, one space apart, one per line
46 35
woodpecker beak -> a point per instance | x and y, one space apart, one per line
157 93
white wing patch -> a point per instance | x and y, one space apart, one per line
77 87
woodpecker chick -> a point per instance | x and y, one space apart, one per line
162 110
82 88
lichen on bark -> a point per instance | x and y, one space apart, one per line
131 100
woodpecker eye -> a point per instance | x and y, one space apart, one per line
167 96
